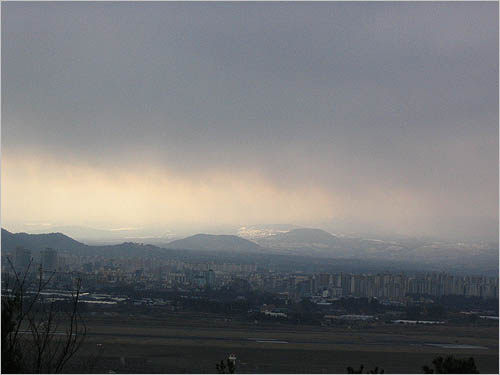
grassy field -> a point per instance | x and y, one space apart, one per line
193 344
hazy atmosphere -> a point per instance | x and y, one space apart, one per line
188 117
250 187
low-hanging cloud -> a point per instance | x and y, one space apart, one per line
384 113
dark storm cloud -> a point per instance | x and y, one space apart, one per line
348 96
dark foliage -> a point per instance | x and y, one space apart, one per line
222 368
11 351
451 365
376 370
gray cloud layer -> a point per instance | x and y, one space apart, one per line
352 97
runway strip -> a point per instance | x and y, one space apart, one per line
263 340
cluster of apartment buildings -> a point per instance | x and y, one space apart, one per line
23 261
393 286
99 272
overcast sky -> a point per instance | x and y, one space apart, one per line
352 117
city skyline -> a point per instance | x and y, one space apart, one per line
351 117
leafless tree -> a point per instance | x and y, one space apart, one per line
38 336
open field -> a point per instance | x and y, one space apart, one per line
180 344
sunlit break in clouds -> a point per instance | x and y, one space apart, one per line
351 117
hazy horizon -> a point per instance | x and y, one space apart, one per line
162 236
205 117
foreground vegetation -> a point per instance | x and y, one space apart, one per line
39 335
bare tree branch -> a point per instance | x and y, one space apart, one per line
39 317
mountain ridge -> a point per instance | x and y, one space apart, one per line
37 242
311 245
224 242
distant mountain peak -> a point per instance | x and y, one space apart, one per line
37 242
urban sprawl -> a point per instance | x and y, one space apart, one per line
99 273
